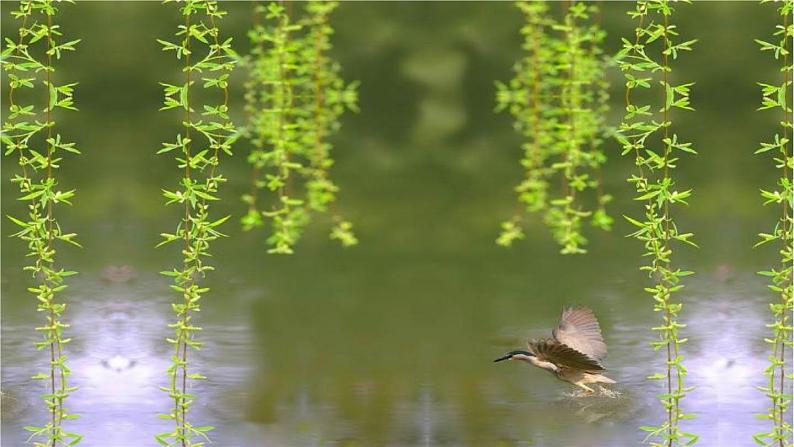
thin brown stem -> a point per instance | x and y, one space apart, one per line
628 97
54 338
573 100
283 72
672 410
216 153
286 92
601 85
319 98
784 236
185 318
256 171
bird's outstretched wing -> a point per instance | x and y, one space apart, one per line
563 356
579 329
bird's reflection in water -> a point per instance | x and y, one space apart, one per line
119 274
600 391
592 408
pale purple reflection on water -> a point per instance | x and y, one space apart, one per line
119 360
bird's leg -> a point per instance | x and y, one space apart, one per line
584 387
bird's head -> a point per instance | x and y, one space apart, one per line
516 355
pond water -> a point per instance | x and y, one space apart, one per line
392 349
391 343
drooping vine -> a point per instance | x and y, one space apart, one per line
597 130
558 88
206 136
529 97
646 134
30 134
565 213
294 99
775 97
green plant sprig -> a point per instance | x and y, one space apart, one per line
557 87
647 136
29 134
774 97
528 97
596 124
331 97
294 99
209 59
273 66
565 214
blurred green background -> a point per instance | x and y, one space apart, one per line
390 342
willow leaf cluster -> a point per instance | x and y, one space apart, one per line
30 135
294 99
207 135
558 98
646 134
774 98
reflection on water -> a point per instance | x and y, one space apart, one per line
331 395
728 360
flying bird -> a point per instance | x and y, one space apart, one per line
573 354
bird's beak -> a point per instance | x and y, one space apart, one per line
505 357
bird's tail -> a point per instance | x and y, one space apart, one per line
603 379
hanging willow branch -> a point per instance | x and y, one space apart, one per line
526 98
294 99
595 122
558 88
648 137
207 59
29 135
775 98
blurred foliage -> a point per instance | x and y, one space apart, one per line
559 101
294 100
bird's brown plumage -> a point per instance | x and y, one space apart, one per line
579 330
563 356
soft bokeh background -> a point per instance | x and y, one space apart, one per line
391 342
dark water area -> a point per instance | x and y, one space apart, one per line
391 343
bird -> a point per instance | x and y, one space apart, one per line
574 352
